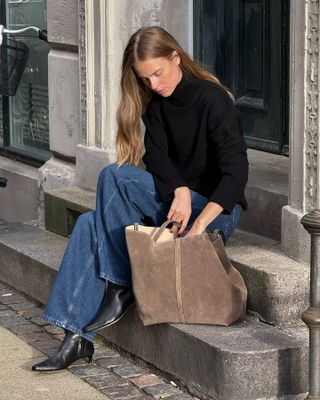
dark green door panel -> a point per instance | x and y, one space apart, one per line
244 42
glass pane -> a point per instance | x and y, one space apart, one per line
28 109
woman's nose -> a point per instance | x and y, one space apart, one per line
154 83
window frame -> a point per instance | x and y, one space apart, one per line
28 157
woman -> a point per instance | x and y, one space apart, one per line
196 172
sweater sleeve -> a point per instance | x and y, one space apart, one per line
225 133
156 157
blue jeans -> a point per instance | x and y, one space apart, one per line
97 249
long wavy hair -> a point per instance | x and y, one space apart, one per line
146 43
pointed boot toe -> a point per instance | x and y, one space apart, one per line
116 302
73 348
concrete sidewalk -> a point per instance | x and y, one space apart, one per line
17 381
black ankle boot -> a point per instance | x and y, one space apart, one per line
72 348
116 302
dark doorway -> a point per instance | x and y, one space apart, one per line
245 43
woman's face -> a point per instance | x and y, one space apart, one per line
161 74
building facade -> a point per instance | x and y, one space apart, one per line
60 129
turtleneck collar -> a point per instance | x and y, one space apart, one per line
182 93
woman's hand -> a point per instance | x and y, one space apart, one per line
180 209
207 215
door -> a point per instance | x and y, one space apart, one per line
245 43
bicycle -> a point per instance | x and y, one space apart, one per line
13 57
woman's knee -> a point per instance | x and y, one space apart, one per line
86 219
109 170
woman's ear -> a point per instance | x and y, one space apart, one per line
176 57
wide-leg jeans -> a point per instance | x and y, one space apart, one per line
97 250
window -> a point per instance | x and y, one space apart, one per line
27 130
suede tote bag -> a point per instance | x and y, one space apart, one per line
183 280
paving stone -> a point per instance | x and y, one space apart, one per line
55 330
24 330
4 289
128 371
111 362
141 397
89 370
11 297
101 351
106 380
3 307
46 345
39 321
32 313
182 396
40 336
60 336
146 380
121 392
23 306
162 391
10 320
7 312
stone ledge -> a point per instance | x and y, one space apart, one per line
278 287
266 192
247 361
64 205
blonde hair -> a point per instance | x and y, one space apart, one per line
146 43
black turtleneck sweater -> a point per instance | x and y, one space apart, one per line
194 138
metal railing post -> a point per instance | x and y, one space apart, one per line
311 222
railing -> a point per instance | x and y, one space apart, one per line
311 316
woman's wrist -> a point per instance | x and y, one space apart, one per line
181 189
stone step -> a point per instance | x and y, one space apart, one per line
266 193
64 205
247 361
278 287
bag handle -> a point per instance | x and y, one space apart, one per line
160 231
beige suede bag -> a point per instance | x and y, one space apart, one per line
183 280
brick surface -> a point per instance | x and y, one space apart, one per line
104 352
162 391
24 330
10 297
10 321
23 306
146 380
60 336
182 396
105 380
39 321
31 313
113 375
121 392
111 362
89 370
54 329
47 345
128 371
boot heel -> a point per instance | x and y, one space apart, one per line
89 359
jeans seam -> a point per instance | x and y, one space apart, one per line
78 287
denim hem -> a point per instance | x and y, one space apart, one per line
114 280
69 327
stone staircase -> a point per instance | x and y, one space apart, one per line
265 356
